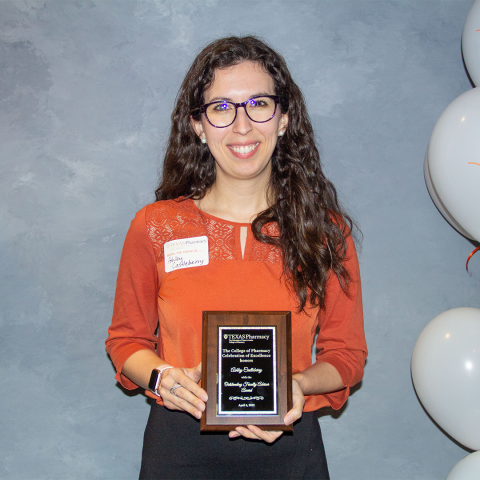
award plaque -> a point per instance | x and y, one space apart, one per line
246 370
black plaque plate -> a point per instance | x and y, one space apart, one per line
246 369
247 374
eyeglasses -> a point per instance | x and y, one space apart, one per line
221 114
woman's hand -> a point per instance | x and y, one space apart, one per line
270 436
188 397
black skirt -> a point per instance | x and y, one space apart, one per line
174 448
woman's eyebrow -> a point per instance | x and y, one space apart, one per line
227 99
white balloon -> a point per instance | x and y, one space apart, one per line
446 373
471 44
467 468
454 160
438 203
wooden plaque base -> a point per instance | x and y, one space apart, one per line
225 411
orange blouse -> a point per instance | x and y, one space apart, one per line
148 298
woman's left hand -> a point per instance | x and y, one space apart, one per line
269 436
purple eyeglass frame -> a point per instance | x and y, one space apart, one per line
203 109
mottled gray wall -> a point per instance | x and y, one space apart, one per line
86 89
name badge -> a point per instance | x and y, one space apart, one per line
186 253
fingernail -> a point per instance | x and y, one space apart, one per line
198 415
288 420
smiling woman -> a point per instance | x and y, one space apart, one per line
243 146
242 181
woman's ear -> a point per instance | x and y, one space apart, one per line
198 128
282 125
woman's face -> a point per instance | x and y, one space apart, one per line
243 150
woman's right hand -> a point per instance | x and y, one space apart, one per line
189 397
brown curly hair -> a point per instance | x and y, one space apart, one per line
313 226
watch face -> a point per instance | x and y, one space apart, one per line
153 380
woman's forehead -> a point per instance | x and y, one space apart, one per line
246 78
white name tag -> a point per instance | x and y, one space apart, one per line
186 253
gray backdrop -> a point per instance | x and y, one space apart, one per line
86 90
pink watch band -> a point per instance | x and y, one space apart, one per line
160 370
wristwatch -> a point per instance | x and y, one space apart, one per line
156 378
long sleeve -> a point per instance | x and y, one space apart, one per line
341 339
135 315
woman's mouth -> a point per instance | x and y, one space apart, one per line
244 151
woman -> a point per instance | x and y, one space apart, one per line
241 168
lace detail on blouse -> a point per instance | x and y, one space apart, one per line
173 220
262 252
221 240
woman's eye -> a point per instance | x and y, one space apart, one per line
258 102
222 107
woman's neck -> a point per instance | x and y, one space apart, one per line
236 204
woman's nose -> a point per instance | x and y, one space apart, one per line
242 123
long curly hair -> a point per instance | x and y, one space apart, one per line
303 202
